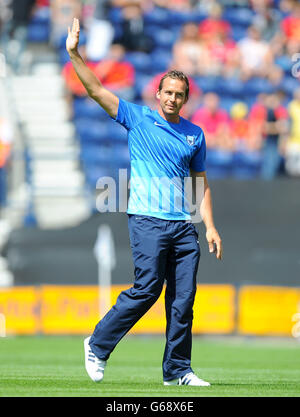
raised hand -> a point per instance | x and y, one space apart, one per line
73 36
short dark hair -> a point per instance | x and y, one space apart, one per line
177 75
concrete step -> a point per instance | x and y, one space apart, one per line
49 131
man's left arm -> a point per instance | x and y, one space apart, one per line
206 212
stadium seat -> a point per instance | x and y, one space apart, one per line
140 82
227 102
241 16
160 60
85 107
93 173
208 84
164 38
96 155
39 26
116 15
256 85
231 87
157 16
238 32
180 17
289 85
117 133
218 163
285 63
93 131
246 165
141 61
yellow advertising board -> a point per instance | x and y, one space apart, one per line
69 309
267 310
62 309
260 310
214 309
19 308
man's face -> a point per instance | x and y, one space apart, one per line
172 96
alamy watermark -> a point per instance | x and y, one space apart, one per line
296 67
157 194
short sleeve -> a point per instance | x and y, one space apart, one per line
129 114
198 160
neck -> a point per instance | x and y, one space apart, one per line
172 118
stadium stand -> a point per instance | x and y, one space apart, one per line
221 31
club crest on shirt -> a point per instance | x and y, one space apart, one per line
190 140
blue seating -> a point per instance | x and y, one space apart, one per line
241 16
231 87
157 16
93 131
85 107
160 60
180 17
289 85
218 163
285 63
117 133
111 155
238 32
141 81
94 172
164 38
141 61
256 85
227 102
246 165
96 155
208 84
116 15
39 26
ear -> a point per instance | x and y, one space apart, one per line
158 94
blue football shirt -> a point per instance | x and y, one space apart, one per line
161 155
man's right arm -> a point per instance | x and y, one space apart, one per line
93 86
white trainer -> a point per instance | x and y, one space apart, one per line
93 365
189 379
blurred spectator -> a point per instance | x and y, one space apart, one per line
224 56
150 89
117 74
6 137
242 130
205 6
114 72
256 55
15 30
214 121
214 26
180 5
73 83
290 24
133 36
274 131
100 32
276 77
220 51
190 54
292 150
267 20
286 6
62 14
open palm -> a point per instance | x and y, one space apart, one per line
73 36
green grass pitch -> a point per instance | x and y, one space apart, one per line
53 366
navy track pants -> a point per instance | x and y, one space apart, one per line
162 250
